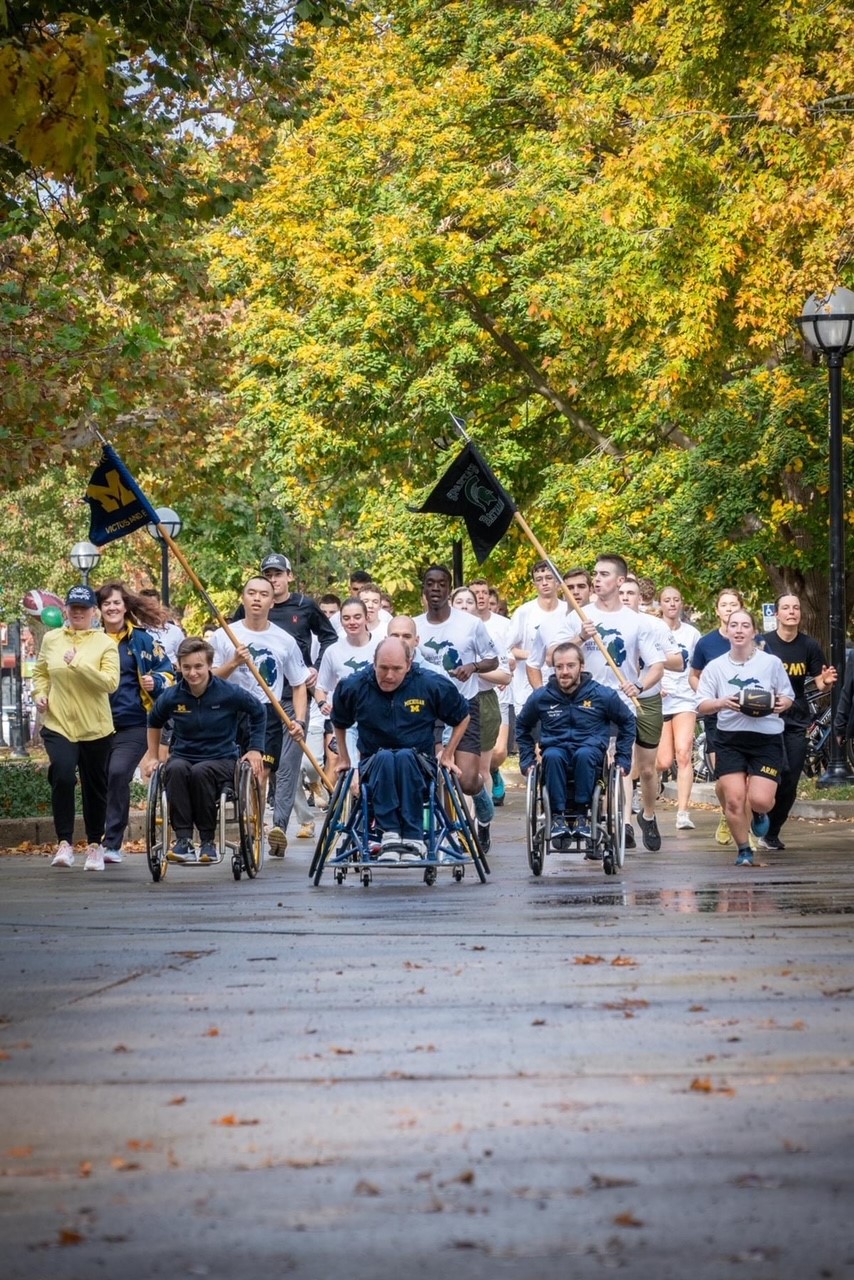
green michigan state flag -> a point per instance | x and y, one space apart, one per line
469 489
118 505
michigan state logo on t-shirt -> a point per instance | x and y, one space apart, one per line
445 652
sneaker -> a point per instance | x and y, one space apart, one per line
389 847
113 855
484 837
306 831
560 828
683 821
413 851
498 788
581 830
723 835
630 836
650 834
64 856
637 801
770 842
277 842
745 858
94 858
182 851
761 825
208 851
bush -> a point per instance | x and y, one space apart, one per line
24 790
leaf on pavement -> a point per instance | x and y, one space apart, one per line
588 959
232 1122
69 1237
627 1220
624 962
177 1101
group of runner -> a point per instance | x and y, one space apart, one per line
653 659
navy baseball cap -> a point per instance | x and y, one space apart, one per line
81 595
276 561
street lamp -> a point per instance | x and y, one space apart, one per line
84 556
827 323
171 522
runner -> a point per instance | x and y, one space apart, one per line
679 705
801 657
277 657
295 613
713 645
500 629
378 617
749 750
458 646
545 608
353 652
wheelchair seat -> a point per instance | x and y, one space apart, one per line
605 838
348 840
239 807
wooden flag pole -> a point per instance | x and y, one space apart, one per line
277 706
535 542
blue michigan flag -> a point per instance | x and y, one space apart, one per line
118 505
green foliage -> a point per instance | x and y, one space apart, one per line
24 790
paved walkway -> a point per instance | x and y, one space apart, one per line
532 1079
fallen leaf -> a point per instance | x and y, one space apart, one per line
698 1008
625 1004
365 1188
4 1056
627 1220
178 1101
701 1084
589 959
232 1122
135 1144
212 1031
410 964
120 1048
19 1153
84 1169
601 1182
624 962
124 1166
342 1053
478 948
538 1022
67 1237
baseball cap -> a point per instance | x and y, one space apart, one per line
81 595
276 561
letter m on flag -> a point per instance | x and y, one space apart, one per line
118 505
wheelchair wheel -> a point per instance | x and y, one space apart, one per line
535 821
157 825
336 816
250 820
615 817
458 815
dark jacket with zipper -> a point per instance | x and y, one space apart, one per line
568 720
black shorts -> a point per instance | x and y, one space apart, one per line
273 738
710 728
759 755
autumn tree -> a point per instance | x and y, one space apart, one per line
589 226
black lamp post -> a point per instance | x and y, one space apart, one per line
172 523
84 556
828 326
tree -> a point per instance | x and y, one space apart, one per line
590 226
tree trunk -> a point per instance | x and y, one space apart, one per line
812 588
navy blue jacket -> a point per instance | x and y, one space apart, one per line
139 655
570 719
205 728
403 718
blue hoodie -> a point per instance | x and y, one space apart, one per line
205 728
569 719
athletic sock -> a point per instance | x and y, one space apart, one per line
483 806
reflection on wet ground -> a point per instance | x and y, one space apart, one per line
790 897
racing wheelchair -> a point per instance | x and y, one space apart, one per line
605 819
239 807
348 842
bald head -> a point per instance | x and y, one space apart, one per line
392 661
402 627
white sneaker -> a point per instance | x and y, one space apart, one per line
683 821
94 858
389 854
64 855
113 855
389 847
413 851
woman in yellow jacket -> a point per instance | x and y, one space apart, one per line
76 671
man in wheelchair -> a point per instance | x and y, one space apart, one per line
574 713
205 712
395 707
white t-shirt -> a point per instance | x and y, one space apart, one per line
526 623
677 694
170 637
500 629
274 652
342 659
624 633
663 637
460 639
724 678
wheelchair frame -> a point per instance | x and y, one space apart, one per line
239 802
606 816
344 843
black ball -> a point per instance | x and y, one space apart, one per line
756 702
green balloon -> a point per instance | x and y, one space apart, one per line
52 617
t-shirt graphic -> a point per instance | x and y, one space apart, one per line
743 684
357 664
615 646
445 653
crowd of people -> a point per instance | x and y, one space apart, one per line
297 685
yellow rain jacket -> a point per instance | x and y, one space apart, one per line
78 693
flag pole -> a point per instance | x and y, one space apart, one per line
277 706
460 428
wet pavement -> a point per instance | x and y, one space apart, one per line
544 1078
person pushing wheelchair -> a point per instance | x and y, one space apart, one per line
574 713
395 707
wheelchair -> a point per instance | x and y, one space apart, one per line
239 807
606 819
347 842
